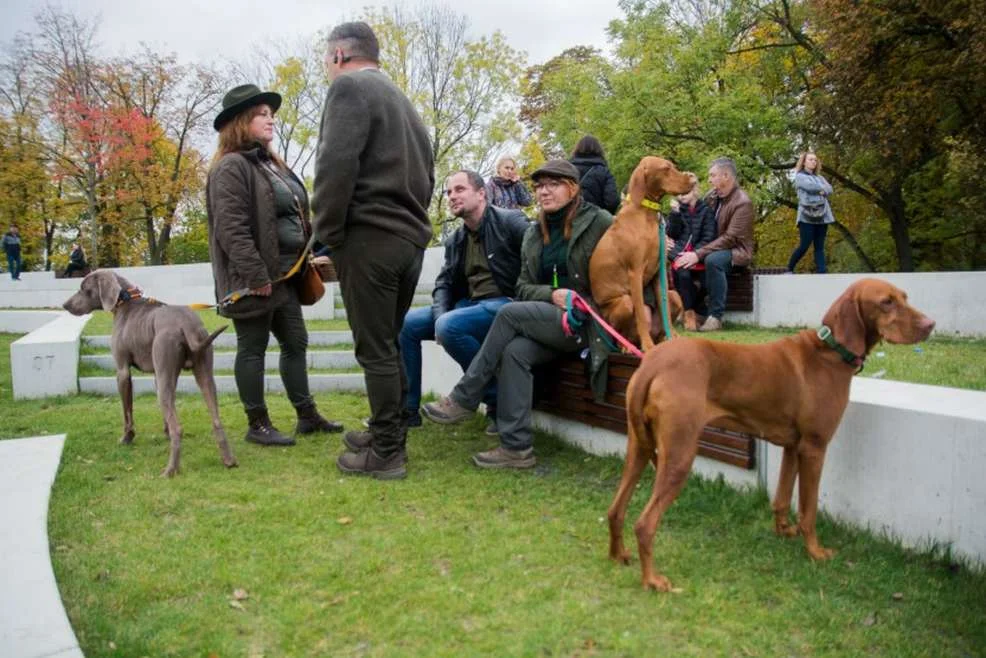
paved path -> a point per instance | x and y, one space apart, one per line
33 623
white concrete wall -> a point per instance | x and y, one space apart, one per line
22 322
45 362
955 300
908 460
190 283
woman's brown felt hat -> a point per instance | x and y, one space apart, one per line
556 169
240 98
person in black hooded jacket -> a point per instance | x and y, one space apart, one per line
597 182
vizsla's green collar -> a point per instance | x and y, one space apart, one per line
825 335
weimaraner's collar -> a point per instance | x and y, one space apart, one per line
133 294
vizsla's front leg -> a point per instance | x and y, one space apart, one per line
810 462
639 308
785 488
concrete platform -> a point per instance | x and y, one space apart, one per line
144 384
33 623
226 360
227 339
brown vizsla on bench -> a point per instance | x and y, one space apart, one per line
796 400
159 338
626 256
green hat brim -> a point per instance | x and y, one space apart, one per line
271 98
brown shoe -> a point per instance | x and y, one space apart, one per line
500 457
446 411
691 322
357 441
712 323
368 462
310 421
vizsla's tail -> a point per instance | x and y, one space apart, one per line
637 398
197 344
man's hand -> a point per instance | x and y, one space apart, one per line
559 297
263 291
668 246
686 260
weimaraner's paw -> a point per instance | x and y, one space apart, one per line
128 437
231 462
170 472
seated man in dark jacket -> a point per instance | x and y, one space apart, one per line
482 262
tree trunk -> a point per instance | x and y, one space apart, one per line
854 245
899 229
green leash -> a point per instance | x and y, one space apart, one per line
663 273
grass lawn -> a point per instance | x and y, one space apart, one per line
452 561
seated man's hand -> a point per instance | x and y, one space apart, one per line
668 246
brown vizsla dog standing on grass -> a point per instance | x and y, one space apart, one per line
159 338
799 390
626 257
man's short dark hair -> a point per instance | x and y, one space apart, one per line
356 39
475 180
726 164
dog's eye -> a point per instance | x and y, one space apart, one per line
887 303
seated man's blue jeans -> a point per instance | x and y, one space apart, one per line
460 332
717 265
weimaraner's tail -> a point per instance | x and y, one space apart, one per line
196 344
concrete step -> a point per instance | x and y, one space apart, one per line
224 360
350 382
227 340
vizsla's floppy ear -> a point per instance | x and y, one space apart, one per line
637 187
845 319
109 288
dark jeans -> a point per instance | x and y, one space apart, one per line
523 335
717 265
14 265
687 287
811 234
378 273
460 332
253 334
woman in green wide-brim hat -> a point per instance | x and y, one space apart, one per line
258 228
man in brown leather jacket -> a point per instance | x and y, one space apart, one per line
734 245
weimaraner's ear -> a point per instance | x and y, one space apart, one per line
845 320
109 290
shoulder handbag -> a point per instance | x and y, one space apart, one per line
309 283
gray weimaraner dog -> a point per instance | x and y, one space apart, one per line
154 337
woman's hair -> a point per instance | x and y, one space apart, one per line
588 146
503 160
573 208
235 136
801 163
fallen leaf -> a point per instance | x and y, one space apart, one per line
344 520
240 594
112 645
898 596
677 590
236 605
870 620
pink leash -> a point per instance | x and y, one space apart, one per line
582 305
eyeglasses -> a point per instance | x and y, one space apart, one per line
550 183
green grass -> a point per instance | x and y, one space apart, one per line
451 562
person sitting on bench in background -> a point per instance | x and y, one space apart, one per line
691 226
734 245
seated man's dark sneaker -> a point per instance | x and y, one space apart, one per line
446 411
368 462
500 457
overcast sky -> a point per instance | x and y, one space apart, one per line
207 30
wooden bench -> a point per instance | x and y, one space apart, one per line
562 389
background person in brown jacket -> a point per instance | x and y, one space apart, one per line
374 175
258 227
734 245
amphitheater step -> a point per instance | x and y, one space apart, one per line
325 359
227 340
350 382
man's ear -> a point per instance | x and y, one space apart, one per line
109 290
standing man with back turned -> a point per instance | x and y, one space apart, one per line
374 175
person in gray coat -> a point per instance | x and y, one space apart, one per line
258 227
374 176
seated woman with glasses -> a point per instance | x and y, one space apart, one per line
554 262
